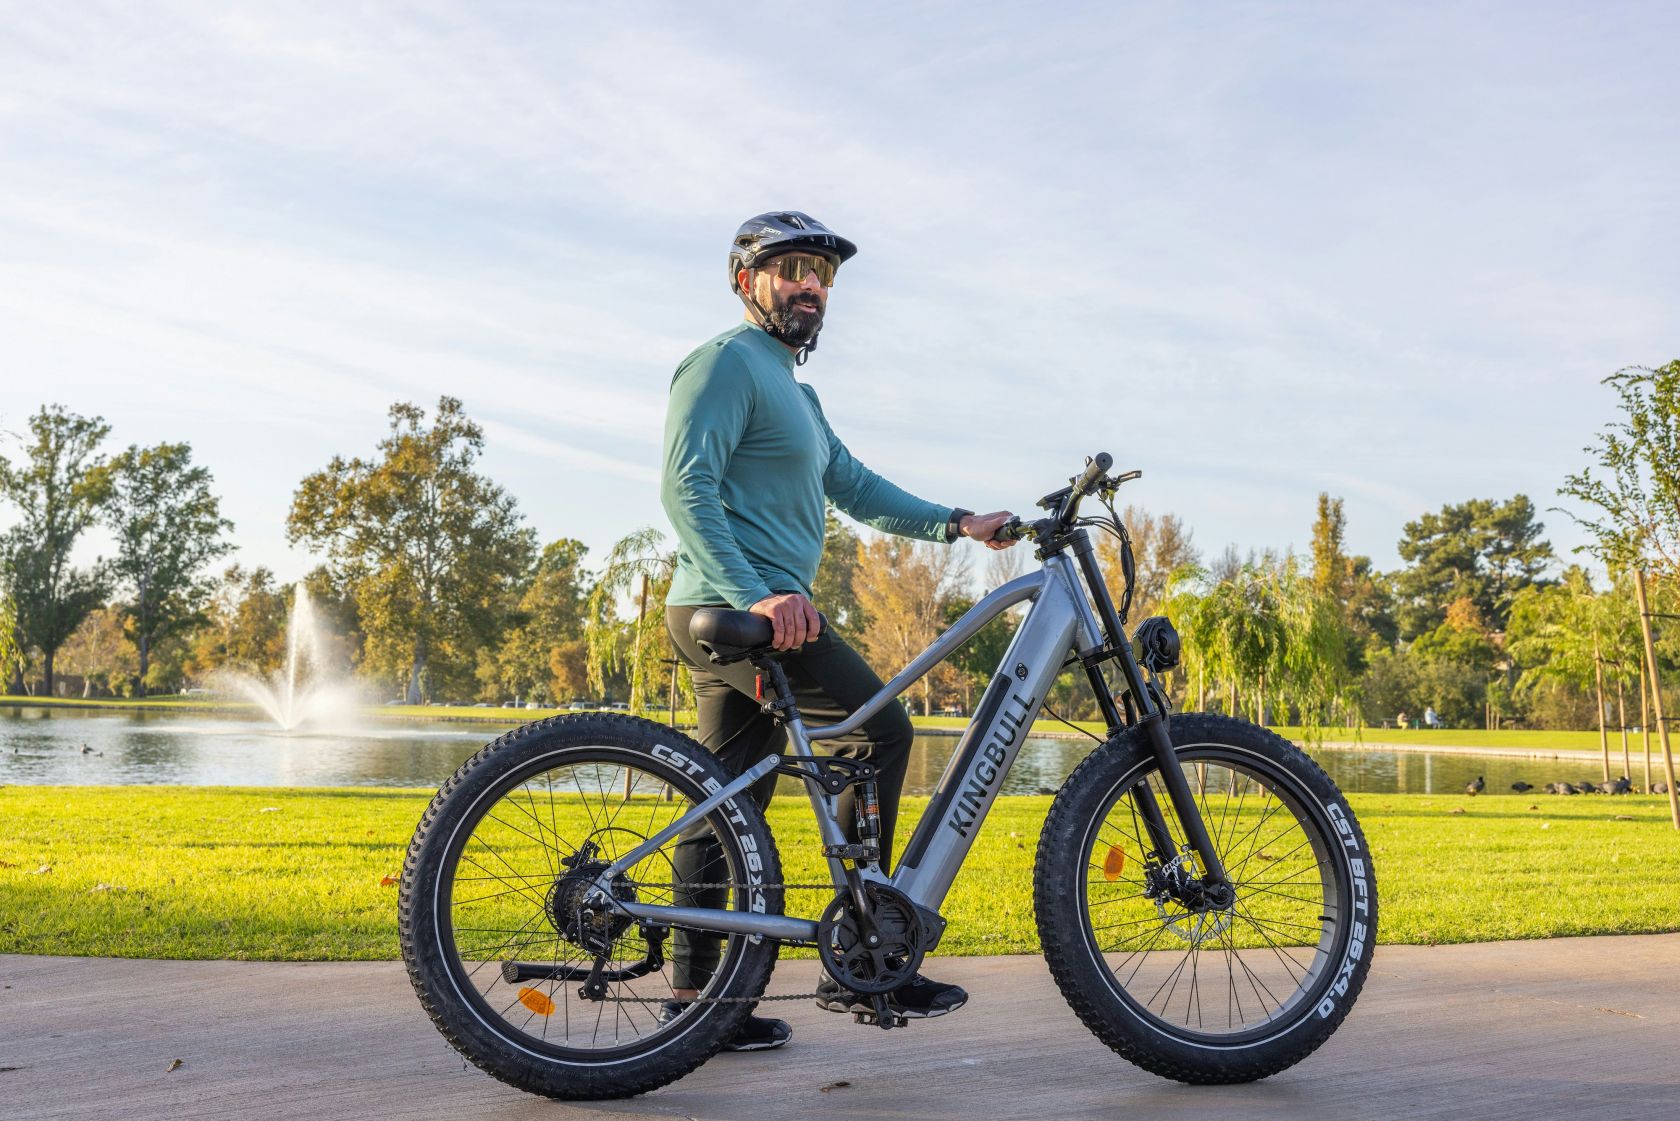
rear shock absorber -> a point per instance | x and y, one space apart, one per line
869 821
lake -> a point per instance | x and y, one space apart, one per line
44 746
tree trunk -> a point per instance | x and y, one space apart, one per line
413 694
1645 716
1656 695
47 664
1621 718
1598 690
145 664
636 661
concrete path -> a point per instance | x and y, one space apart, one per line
1569 1028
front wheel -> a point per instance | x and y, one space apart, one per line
1200 990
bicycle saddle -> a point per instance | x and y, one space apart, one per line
730 636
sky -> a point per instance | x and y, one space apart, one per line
1258 251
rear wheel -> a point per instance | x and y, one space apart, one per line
1179 984
499 936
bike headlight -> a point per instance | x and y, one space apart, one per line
1156 644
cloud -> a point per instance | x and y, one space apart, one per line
1257 252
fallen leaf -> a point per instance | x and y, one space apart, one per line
1534 807
1545 825
118 888
835 1085
174 1064
1624 817
41 871
1458 809
269 810
387 881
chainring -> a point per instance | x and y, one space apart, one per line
881 966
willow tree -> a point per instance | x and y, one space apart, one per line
1263 633
624 620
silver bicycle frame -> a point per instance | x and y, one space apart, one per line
1059 621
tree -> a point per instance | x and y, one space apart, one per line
904 587
427 547
1264 634
1637 493
1369 613
1331 569
1456 665
548 620
834 588
168 526
58 490
100 653
246 624
11 658
1480 550
637 574
1161 548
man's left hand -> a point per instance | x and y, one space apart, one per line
981 527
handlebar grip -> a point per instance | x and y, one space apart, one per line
1094 472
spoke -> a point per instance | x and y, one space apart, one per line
521 887
1290 965
487 848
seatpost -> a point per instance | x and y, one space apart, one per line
779 705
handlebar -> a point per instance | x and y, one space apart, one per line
1094 472
1064 503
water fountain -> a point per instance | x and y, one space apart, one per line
302 690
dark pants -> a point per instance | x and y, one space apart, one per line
830 682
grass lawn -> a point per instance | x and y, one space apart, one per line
295 874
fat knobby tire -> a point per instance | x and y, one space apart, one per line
1083 976
552 1071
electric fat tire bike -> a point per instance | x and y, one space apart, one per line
1204 895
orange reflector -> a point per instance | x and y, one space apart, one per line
1114 862
536 1001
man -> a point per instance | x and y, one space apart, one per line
749 463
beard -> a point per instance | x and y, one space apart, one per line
795 321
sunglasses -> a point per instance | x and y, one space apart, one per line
795 267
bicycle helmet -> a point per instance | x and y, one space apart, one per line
783 231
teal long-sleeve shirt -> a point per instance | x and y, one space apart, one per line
749 461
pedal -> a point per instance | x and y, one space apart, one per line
879 1015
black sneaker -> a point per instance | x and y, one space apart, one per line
921 999
756 1033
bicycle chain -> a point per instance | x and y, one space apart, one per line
709 887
